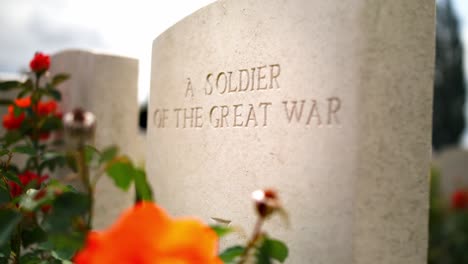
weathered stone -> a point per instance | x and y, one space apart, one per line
327 101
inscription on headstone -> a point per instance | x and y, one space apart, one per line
308 112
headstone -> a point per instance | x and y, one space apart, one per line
107 86
451 164
329 102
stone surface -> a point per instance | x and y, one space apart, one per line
107 86
329 102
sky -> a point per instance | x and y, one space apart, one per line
123 27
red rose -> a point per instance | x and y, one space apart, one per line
40 63
26 178
45 108
10 121
460 199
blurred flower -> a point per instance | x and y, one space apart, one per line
27 178
460 199
266 202
40 63
46 108
12 122
79 127
145 234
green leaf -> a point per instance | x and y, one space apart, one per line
59 78
51 160
10 175
24 92
142 187
6 102
50 123
5 253
32 235
9 85
108 154
65 245
54 93
122 173
4 152
66 208
221 230
12 137
90 153
25 149
4 194
272 249
17 111
229 255
9 219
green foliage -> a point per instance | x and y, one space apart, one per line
221 230
271 249
122 172
232 254
10 85
109 154
25 149
9 220
143 190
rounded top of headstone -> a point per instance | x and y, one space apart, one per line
89 52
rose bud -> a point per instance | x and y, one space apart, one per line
79 127
40 63
266 202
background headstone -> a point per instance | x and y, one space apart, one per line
329 102
452 165
107 86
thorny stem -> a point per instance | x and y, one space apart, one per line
257 232
84 174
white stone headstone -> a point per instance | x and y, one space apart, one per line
329 102
106 85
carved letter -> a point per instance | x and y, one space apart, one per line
211 116
236 115
251 116
225 82
265 113
261 76
243 87
231 90
177 110
274 75
313 110
189 87
199 117
208 92
294 111
334 105
224 114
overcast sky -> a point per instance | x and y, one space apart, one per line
124 27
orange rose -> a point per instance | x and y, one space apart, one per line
145 234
